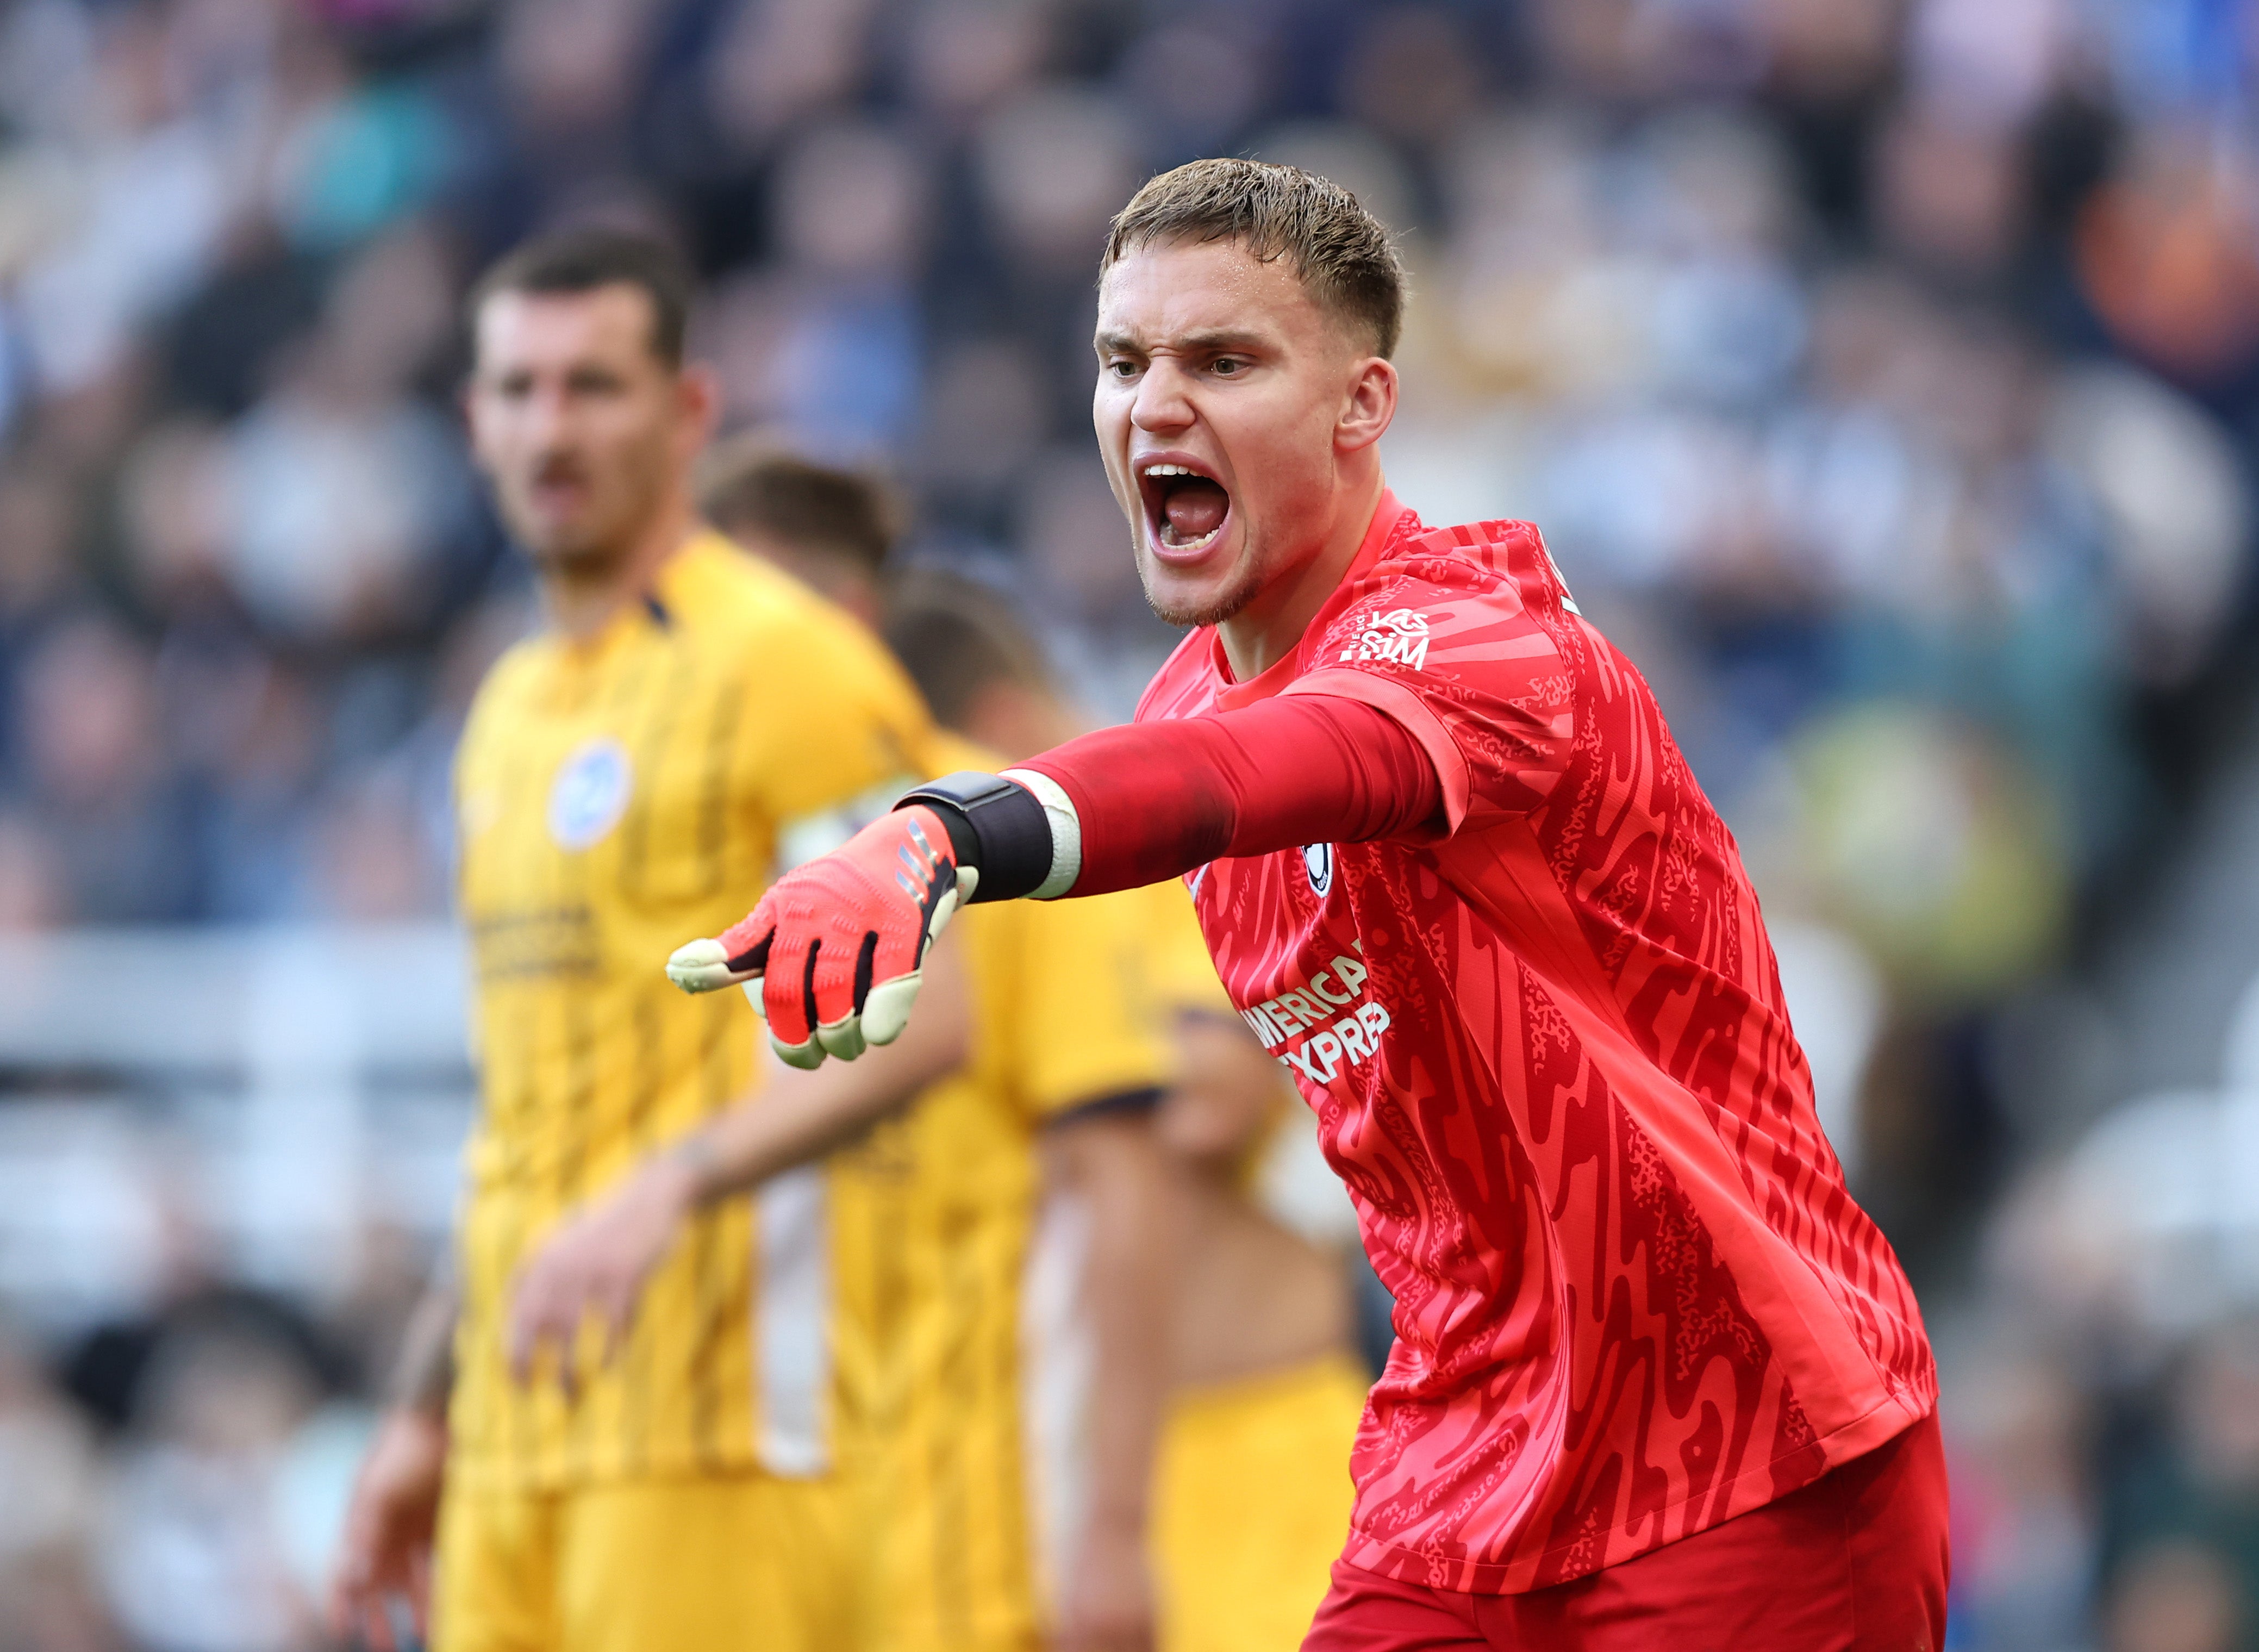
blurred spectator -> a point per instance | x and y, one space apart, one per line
1949 195
38 538
2166 252
371 862
1193 83
2198 1481
343 497
194 1560
2025 1516
1412 74
778 62
963 56
987 410
842 368
48 1598
99 789
2174 507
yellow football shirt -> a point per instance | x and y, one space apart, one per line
1183 974
618 795
931 1218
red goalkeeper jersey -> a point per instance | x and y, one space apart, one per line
1548 1053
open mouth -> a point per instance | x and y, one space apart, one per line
557 487
1185 509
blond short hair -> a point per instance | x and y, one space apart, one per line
1342 254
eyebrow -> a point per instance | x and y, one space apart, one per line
1213 340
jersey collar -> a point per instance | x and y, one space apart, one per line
1389 516
673 592
676 588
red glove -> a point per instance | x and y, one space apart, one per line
832 954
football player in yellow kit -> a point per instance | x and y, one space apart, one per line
930 1216
685 720
1251 1499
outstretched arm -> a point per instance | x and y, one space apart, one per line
837 945
1153 801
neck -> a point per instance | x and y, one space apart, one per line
580 601
1265 632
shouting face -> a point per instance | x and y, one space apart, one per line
584 431
1229 403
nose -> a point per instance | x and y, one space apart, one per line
1161 403
547 417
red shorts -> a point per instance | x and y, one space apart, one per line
1856 1562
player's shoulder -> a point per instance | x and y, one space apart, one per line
1483 591
714 587
1502 563
740 608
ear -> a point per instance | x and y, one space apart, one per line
698 395
1368 408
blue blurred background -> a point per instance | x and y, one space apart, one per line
1885 374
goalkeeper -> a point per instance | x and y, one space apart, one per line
1656 1375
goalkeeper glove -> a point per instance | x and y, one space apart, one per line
833 954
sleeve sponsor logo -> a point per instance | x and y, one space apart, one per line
1322 1026
1399 637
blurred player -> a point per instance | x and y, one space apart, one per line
930 1216
1252 1499
1657 1380
685 718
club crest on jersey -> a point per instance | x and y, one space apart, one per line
1400 637
1318 861
590 794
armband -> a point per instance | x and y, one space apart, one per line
1001 828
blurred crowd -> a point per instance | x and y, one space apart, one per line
1885 374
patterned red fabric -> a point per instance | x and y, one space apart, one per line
1548 1056
1856 1562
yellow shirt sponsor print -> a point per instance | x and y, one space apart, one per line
932 1220
619 795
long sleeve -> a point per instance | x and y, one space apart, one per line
1155 799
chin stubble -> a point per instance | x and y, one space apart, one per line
1226 605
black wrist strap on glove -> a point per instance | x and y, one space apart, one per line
997 826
